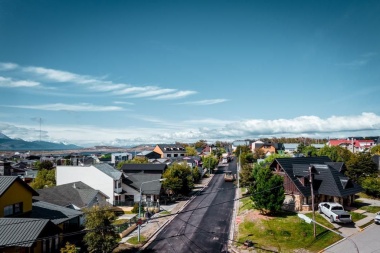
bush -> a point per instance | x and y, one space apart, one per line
371 186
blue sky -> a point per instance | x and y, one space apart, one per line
128 72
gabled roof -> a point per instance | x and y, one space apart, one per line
135 181
57 214
7 181
108 170
77 193
143 167
328 179
23 232
171 148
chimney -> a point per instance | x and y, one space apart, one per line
74 186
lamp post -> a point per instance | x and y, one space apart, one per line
162 179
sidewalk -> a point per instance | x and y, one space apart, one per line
151 228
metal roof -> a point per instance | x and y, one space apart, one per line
108 170
57 214
20 232
137 180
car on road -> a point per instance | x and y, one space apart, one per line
335 212
377 218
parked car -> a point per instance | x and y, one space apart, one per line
377 218
335 212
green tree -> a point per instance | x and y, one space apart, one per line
209 162
101 235
336 153
360 167
200 144
69 248
45 165
241 149
191 151
44 179
268 192
179 179
371 186
310 151
375 150
196 174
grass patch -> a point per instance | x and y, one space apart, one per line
120 221
165 213
287 232
366 225
371 209
245 204
357 216
133 240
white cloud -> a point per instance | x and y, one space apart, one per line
176 95
123 103
205 102
153 92
8 66
11 83
365 124
84 107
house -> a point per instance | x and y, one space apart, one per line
150 154
5 168
28 226
237 143
268 148
290 148
330 183
137 175
76 195
101 176
354 145
120 157
170 150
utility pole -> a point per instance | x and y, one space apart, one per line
311 179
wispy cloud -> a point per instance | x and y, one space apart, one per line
176 95
205 102
7 66
11 83
99 84
123 103
362 60
84 107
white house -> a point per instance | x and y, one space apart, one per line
100 176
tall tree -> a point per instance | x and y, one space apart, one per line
241 149
375 150
191 151
101 236
45 165
360 167
200 144
45 178
268 192
179 178
336 153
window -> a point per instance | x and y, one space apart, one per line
13 209
175 155
168 155
8 210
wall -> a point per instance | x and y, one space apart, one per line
88 175
16 193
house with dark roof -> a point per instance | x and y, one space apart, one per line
150 154
136 176
101 176
170 150
24 223
76 195
329 182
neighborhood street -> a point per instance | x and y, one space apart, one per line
366 241
203 225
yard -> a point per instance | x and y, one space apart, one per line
284 232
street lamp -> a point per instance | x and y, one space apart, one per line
139 221
309 220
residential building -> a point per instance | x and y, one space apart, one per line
150 154
329 184
102 177
354 145
237 143
76 195
170 150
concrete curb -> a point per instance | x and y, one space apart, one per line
154 235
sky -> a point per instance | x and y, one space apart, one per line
128 72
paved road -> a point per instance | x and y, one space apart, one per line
203 226
367 241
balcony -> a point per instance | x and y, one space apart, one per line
118 190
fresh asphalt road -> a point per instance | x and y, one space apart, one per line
366 241
204 224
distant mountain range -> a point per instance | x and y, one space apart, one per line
9 144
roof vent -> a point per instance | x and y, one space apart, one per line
74 186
